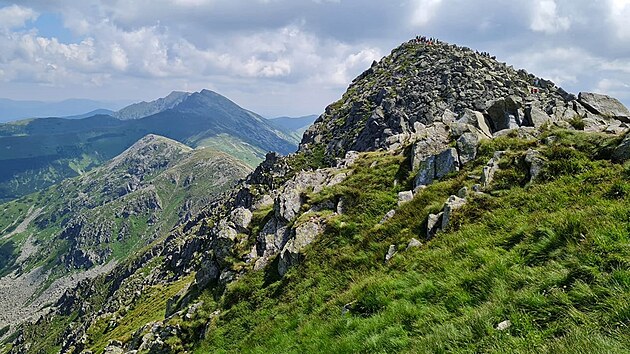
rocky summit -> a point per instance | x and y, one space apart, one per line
446 203
438 85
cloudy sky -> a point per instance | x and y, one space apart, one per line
290 57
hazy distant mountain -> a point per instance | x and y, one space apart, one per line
143 109
13 110
37 153
103 112
293 126
293 123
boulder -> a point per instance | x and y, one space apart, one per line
467 147
305 234
503 113
477 120
462 192
434 221
390 214
604 105
536 163
453 203
241 218
622 151
413 243
536 117
429 140
491 168
426 172
504 325
390 253
404 197
446 162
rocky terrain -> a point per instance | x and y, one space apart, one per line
447 203
86 225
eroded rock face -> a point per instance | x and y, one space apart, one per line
467 146
604 105
304 235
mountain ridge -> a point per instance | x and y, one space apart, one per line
411 219
40 152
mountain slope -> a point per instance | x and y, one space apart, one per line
494 222
87 224
145 109
12 110
293 126
38 153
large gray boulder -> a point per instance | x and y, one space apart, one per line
536 117
426 172
241 218
477 120
604 105
446 162
305 234
429 140
622 152
505 113
536 163
467 147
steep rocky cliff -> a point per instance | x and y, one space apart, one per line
439 206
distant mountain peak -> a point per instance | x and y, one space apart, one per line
148 153
144 109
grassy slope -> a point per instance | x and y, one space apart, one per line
552 257
219 173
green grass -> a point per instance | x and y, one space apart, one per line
251 155
150 307
552 257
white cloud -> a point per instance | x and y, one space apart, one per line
15 16
282 54
424 11
545 17
619 15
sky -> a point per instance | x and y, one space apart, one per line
291 57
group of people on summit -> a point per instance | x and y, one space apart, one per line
425 40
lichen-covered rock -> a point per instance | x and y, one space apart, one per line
536 117
622 151
536 163
434 222
477 120
467 147
453 203
426 172
604 105
304 235
391 251
241 218
429 140
490 169
390 214
446 162
413 243
404 197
